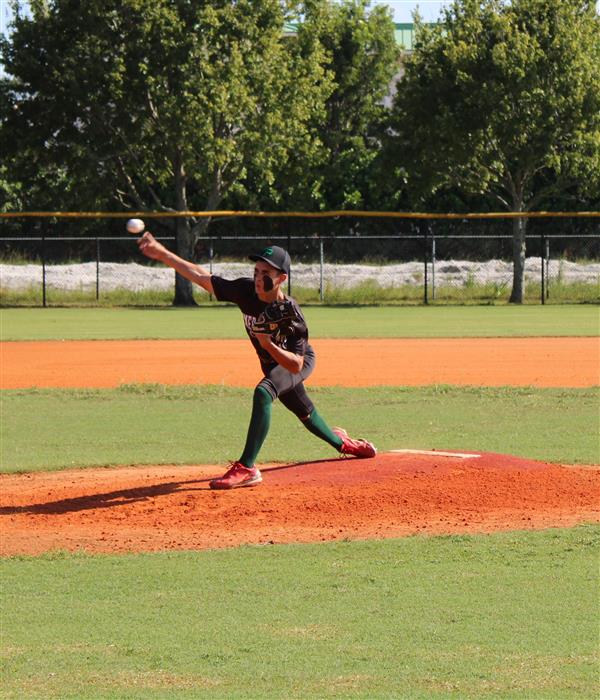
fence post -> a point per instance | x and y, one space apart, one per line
43 268
321 261
542 261
210 261
547 255
432 265
425 256
97 269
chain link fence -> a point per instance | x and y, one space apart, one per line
336 260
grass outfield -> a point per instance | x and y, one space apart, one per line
498 616
324 322
509 615
153 424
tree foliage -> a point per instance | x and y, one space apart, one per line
166 105
333 167
362 57
502 99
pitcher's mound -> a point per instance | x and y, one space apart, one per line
395 494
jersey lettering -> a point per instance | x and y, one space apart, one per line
242 293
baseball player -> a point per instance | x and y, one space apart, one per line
277 330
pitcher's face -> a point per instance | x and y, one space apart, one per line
267 280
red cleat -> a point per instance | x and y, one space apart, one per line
236 476
356 448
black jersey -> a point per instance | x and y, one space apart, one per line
242 293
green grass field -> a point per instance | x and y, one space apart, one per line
152 424
498 616
324 322
511 615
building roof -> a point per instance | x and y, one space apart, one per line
404 33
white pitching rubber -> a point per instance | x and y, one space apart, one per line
435 453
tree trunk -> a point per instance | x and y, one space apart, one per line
186 243
185 238
519 252
187 235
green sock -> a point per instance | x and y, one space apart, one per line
259 426
319 427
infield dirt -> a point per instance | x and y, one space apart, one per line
540 362
149 508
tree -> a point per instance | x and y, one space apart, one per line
332 168
503 99
165 104
362 56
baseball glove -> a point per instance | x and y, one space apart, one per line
279 319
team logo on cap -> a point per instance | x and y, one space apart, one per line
268 251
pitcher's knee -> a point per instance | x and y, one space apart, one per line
265 391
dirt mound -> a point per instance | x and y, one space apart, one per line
392 495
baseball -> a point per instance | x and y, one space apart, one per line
135 226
